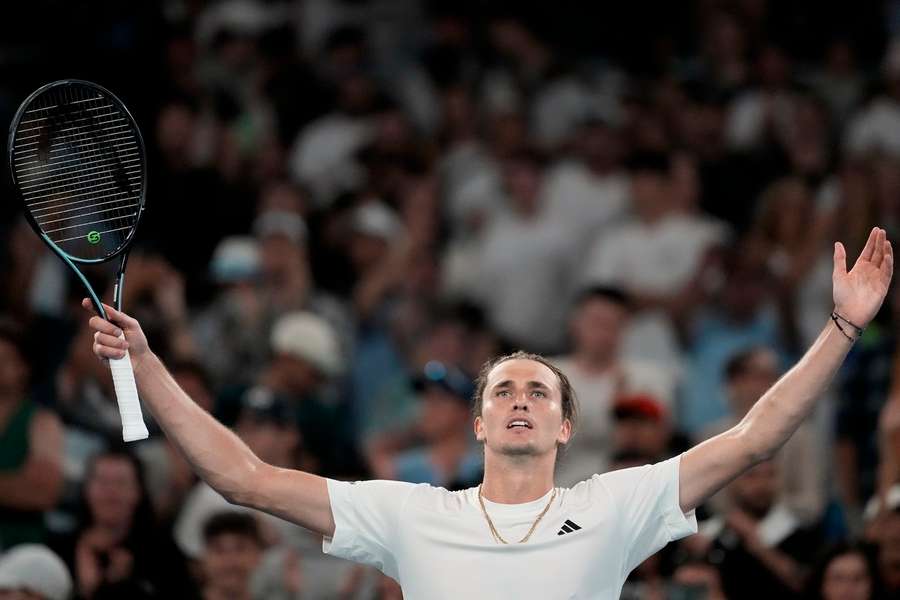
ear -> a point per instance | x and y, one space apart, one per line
479 429
565 432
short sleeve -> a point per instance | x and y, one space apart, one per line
647 500
367 521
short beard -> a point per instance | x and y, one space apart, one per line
528 449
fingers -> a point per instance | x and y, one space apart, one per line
869 248
840 259
103 326
108 340
107 346
878 253
887 266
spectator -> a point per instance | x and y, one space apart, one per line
874 129
844 571
232 547
839 82
759 546
31 450
789 231
306 367
232 327
599 374
449 456
643 427
740 315
525 275
591 192
655 258
322 156
887 540
865 385
117 550
801 471
763 115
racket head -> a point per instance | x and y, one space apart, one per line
77 160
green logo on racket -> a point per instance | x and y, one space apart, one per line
93 237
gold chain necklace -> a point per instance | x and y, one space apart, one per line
496 533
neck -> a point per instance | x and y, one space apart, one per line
517 479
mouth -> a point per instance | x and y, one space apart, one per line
519 423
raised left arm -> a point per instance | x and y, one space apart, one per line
858 295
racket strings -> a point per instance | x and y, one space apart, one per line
80 170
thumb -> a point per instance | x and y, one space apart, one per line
840 260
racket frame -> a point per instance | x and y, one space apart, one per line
126 243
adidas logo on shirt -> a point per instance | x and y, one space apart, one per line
568 527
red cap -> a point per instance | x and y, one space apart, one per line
639 405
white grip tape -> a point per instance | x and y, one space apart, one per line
133 427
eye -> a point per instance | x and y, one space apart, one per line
539 394
503 393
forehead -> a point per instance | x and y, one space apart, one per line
521 371
600 305
763 360
110 465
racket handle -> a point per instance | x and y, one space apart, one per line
133 427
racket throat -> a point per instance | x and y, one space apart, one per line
119 285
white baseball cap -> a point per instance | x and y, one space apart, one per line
377 220
37 569
236 258
309 337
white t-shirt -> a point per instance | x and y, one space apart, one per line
657 258
583 202
525 278
437 544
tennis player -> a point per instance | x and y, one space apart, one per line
516 535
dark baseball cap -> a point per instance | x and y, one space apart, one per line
447 377
262 404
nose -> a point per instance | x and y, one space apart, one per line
520 403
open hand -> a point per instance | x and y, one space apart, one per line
858 294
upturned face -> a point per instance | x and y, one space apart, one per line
521 413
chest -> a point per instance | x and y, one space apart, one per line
569 555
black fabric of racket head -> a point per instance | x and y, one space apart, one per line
77 158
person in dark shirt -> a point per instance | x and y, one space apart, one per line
760 546
117 550
31 440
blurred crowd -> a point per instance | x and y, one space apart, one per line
353 204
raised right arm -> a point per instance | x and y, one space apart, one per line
217 455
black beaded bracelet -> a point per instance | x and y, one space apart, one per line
837 321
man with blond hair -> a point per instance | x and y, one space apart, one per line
515 535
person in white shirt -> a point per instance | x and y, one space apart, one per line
657 255
590 191
516 535
530 259
599 374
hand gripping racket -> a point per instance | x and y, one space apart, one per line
77 161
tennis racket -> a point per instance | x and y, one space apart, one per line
77 161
